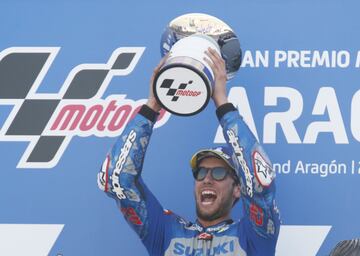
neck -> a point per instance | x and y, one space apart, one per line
208 223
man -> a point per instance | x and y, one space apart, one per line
222 176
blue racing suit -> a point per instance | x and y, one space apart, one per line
163 232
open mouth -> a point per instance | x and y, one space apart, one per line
208 197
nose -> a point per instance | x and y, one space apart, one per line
208 178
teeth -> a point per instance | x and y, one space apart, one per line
208 192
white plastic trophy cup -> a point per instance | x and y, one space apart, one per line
184 84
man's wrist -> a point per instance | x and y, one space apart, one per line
223 109
148 113
152 103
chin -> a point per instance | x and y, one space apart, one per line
207 213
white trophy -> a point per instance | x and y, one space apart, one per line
185 82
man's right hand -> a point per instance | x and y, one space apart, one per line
152 102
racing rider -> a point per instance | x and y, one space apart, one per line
222 175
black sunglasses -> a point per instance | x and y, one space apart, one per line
217 173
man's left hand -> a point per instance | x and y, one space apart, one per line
217 64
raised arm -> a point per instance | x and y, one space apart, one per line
261 221
120 178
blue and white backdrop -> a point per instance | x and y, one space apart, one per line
298 89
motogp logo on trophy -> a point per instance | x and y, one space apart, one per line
49 121
175 93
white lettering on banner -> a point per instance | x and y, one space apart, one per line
324 169
300 59
311 59
234 140
282 168
325 105
355 167
261 59
326 100
357 64
119 165
284 119
355 120
321 168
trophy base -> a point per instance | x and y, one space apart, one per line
183 86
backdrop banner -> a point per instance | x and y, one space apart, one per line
73 73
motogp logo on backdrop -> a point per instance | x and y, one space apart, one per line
49 121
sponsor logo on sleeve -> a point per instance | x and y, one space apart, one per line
234 141
131 215
124 152
263 171
103 175
256 214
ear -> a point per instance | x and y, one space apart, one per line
237 191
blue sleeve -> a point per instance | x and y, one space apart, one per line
261 222
120 178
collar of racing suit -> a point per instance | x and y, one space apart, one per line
207 233
217 228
